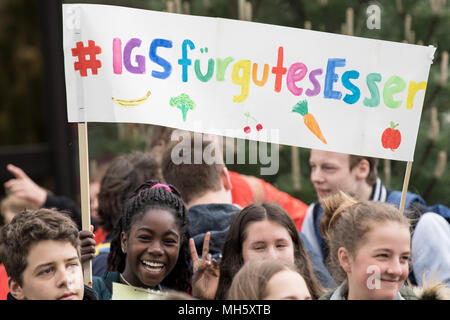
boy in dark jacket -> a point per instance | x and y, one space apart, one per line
40 251
206 187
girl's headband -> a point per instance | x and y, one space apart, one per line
161 185
146 185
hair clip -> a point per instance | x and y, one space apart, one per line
161 185
148 185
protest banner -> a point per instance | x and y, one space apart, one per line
319 90
244 80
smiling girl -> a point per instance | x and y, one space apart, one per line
150 245
259 231
369 249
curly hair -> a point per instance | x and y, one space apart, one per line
148 197
27 229
123 176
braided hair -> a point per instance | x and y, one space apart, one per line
150 195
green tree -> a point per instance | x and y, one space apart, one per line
22 119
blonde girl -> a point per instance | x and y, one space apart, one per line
370 248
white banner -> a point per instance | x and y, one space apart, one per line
245 80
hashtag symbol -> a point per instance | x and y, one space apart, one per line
83 64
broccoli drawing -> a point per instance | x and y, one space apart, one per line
184 103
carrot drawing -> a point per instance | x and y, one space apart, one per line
309 120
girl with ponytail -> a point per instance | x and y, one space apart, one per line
369 249
150 243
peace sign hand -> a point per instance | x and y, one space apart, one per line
206 271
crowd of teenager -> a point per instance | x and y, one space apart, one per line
190 230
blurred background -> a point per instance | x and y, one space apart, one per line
35 134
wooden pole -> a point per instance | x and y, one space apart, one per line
308 25
186 8
349 21
405 186
408 28
241 9
84 192
399 6
387 172
170 6
295 162
178 7
444 68
440 167
248 11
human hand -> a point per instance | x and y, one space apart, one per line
87 245
23 187
206 271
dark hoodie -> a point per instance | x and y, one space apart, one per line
215 218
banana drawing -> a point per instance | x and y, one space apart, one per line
133 102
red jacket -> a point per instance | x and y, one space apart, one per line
100 236
246 190
3 283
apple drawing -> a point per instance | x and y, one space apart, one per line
391 137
